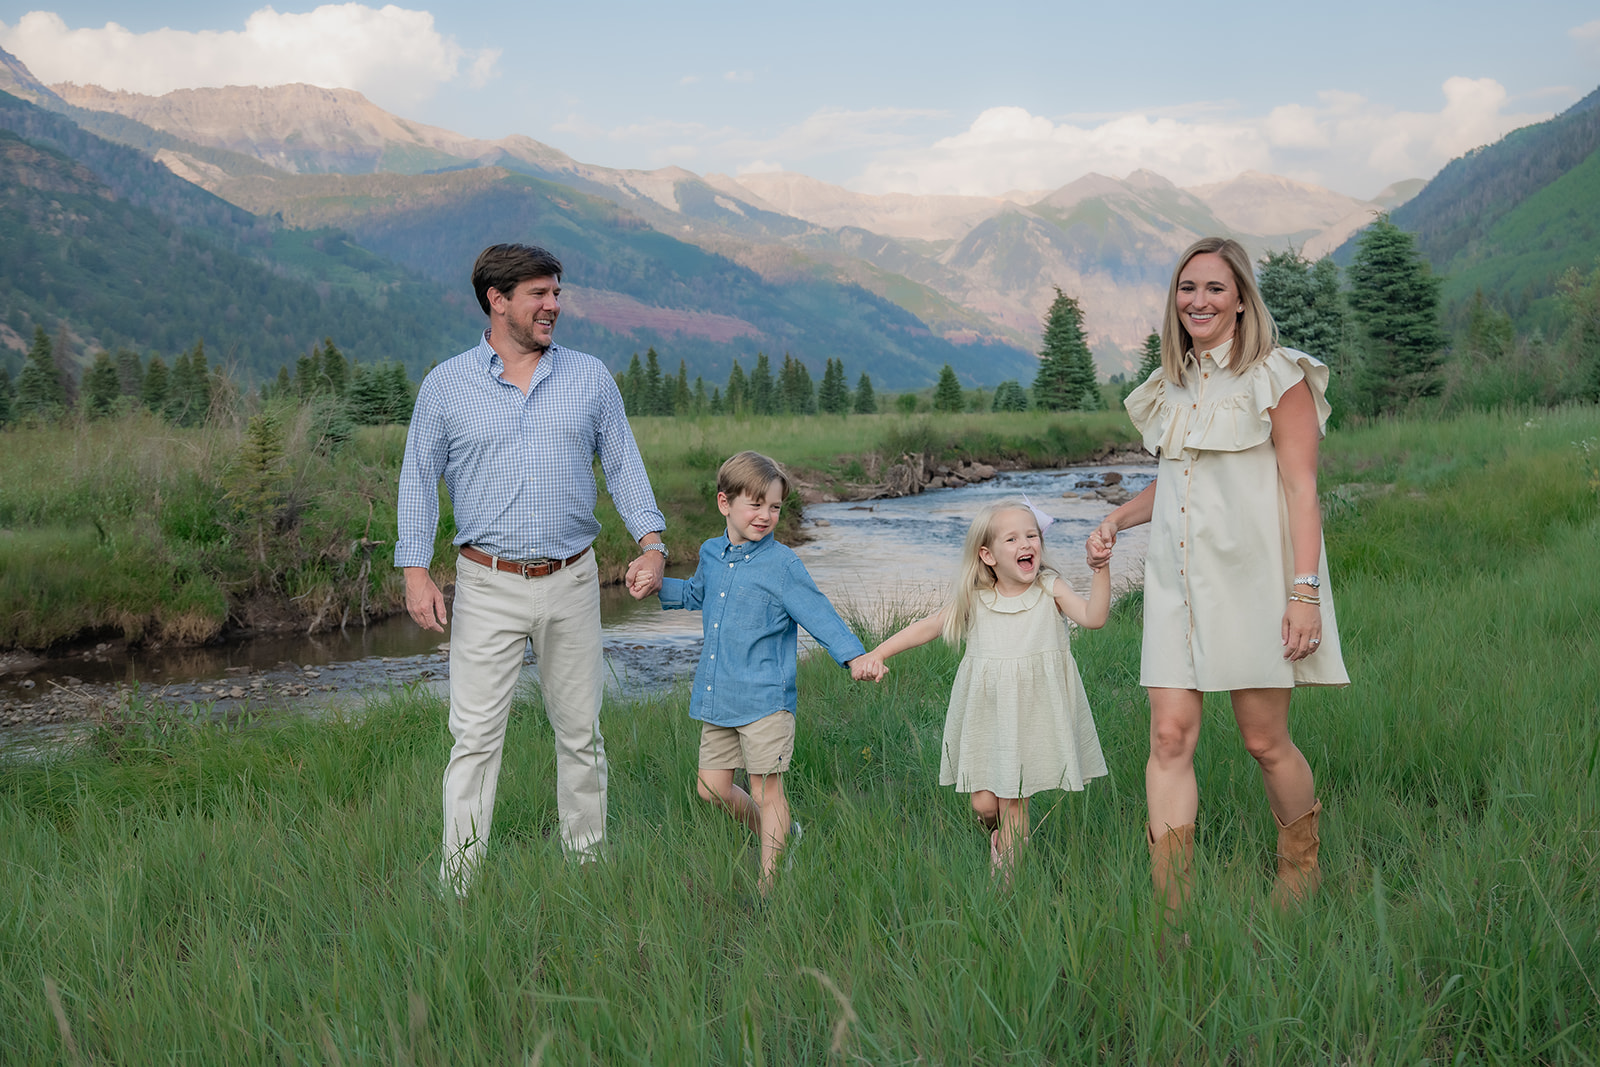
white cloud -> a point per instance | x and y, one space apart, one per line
1587 35
757 166
739 76
1343 141
391 54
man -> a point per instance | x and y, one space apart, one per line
513 426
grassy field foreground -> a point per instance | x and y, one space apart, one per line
264 895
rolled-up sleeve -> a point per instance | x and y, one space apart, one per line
426 452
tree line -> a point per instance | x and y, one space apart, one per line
646 390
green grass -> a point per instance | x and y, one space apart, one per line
221 895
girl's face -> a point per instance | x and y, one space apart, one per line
1015 550
1208 300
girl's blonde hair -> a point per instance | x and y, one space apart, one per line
1255 335
976 575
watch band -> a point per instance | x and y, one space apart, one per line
1308 579
658 546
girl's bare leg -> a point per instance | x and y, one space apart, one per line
1012 833
1263 718
1169 781
987 807
716 786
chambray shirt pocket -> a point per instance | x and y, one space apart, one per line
755 609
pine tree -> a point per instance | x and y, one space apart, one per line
156 382
180 391
1489 332
1150 358
101 387
1066 375
633 396
947 395
256 482
39 394
866 402
284 387
1396 301
335 369
656 400
305 374
796 395
6 394
200 385
1010 396
130 372
1305 302
399 396
66 372
763 400
738 391
700 402
716 401
682 399
833 397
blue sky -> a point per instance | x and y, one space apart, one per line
928 97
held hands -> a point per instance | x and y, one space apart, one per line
644 574
1097 550
868 668
1302 630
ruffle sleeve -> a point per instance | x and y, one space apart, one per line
1233 422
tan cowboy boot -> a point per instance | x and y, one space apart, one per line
1298 873
1171 865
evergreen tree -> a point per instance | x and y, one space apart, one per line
305 374
1010 396
763 400
1066 376
39 393
6 394
130 372
657 400
156 382
833 398
1149 358
256 483
1489 332
1396 301
1580 342
66 372
1305 302
101 387
700 402
366 397
633 386
334 369
682 399
200 385
738 391
716 401
796 395
947 394
866 402
284 387
180 391
1327 295
398 393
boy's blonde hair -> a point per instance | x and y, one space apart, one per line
976 575
750 473
1254 336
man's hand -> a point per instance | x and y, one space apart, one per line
868 668
644 574
424 601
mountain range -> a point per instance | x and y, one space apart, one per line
705 268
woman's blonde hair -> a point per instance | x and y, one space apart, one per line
976 575
1255 335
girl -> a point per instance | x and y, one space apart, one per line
1019 719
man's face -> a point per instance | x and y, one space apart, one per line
530 311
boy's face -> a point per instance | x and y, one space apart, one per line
751 520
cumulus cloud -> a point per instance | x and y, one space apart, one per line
1343 141
390 53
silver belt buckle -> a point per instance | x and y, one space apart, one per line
525 565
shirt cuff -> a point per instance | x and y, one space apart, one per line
413 554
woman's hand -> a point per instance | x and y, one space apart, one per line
1302 630
1097 549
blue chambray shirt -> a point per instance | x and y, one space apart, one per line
750 597
519 469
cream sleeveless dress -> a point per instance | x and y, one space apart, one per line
1221 565
1019 719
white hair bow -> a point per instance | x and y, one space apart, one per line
1039 517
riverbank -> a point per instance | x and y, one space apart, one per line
266 895
130 529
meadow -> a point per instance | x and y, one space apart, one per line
265 893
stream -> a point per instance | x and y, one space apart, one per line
879 561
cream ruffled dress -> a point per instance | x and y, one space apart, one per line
1221 565
1019 719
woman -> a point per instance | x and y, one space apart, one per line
1236 594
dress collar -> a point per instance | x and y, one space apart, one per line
1011 605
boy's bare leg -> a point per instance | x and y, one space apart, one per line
715 784
767 791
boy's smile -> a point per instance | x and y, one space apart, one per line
751 520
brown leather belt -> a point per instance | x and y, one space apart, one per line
533 568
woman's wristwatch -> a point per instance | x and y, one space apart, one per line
1308 579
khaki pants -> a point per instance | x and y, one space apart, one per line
494 614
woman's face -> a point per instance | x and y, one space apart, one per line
1208 300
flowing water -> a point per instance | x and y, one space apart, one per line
877 560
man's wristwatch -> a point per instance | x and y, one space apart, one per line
1308 579
658 546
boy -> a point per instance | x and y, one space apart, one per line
751 592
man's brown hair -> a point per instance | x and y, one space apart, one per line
504 267
750 473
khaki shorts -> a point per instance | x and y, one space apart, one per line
762 747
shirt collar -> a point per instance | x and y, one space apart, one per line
748 549
1219 355
496 366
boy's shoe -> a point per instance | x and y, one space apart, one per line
796 832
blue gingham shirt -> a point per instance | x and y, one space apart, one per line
750 597
519 468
